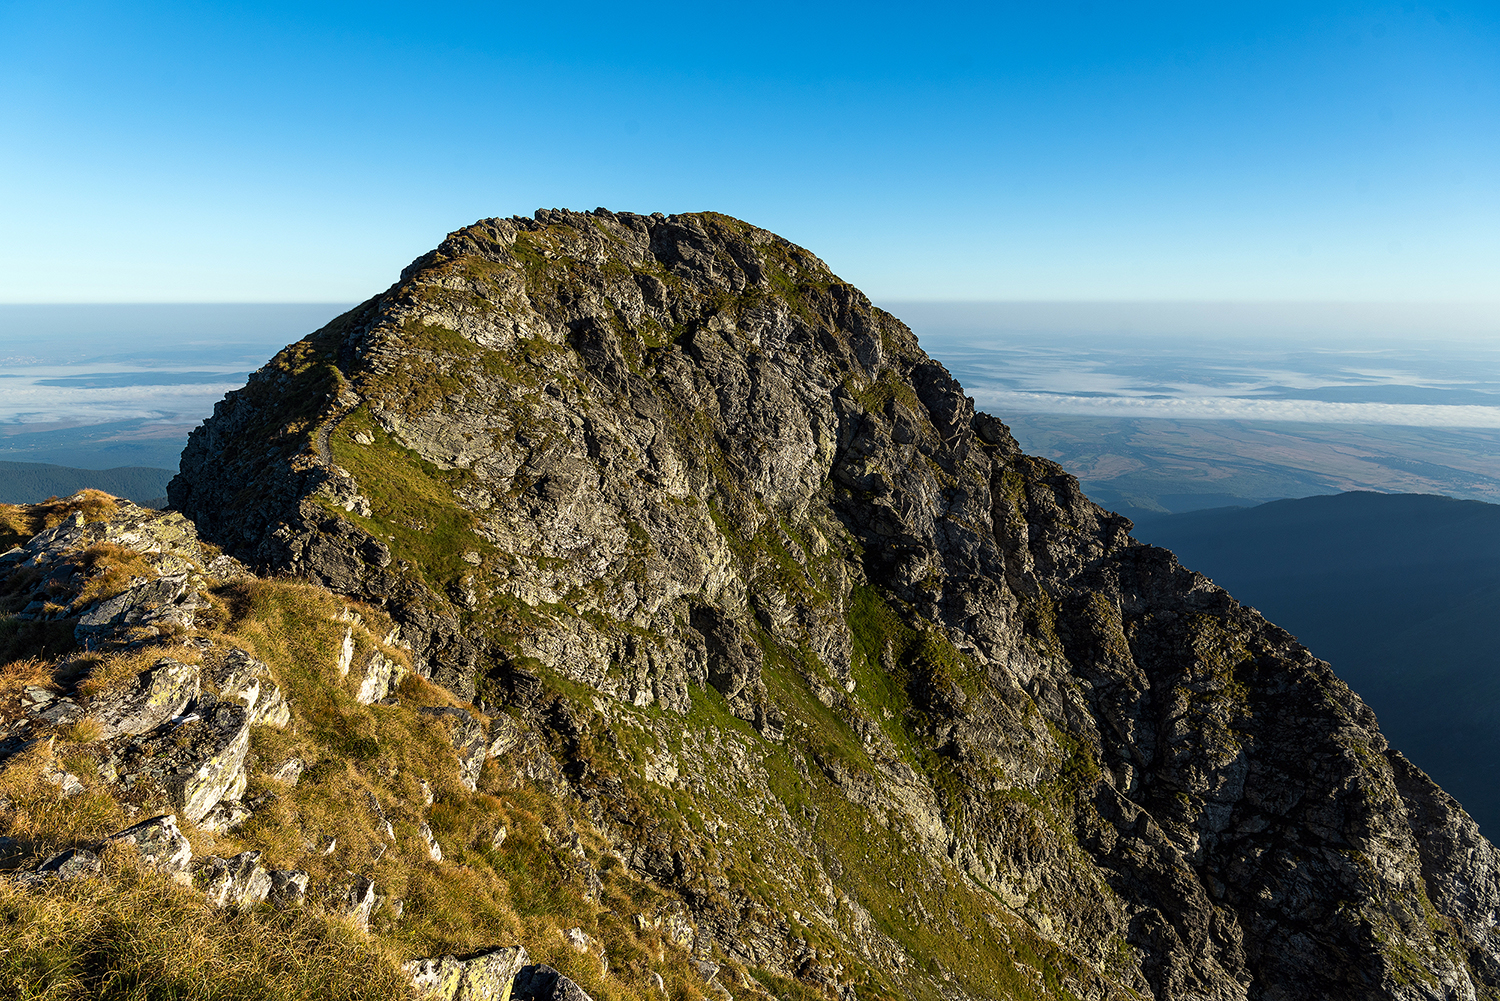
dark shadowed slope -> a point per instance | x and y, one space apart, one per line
1399 592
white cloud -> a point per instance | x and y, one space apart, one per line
999 402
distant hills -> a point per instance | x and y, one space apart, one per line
136 442
1399 592
28 482
1148 467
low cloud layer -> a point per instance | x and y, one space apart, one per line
1001 402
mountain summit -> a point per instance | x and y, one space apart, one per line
891 707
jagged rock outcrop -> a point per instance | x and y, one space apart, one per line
891 706
100 728
543 983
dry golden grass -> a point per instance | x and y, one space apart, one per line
18 674
85 731
147 937
15 526
19 522
100 672
41 816
134 935
109 569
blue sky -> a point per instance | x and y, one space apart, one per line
1071 151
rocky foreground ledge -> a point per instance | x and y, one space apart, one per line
330 787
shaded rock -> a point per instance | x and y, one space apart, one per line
734 661
159 844
74 863
288 888
158 607
240 881
543 983
155 695
484 976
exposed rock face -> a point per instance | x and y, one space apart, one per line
159 843
194 760
154 697
543 983
673 463
469 740
488 976
239 882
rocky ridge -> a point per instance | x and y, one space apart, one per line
673 465
807 652
150 711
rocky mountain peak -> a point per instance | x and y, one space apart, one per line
890 706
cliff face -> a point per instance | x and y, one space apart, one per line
893 707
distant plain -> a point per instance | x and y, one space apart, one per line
1178 407
102 386
1156 410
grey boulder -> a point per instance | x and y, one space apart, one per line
193 760
240 881
156 695
160 844
485 976
543 983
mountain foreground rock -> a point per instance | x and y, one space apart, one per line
663 612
